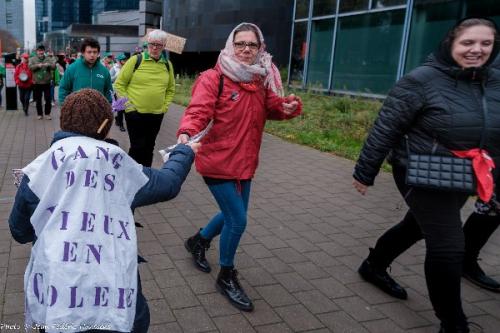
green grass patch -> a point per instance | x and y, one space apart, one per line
334 124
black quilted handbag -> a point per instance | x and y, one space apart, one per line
441 173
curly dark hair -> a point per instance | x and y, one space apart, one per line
85 112
90 42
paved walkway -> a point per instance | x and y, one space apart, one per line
308 232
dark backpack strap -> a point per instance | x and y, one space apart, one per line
221 85
138 61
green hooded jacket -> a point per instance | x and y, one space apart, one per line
79 76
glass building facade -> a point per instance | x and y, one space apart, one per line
99 6
364 46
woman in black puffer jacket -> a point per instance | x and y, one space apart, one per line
450 101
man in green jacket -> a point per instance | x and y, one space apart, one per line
42 68
150 88
86 72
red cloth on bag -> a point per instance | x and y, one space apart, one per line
482 164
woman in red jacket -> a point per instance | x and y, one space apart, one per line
238 94
23 78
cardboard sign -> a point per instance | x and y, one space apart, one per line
174 43
10 82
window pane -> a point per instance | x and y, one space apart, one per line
320 53
367 51
431 21
302 10
299 48
324 7
429 24
387 3
352 5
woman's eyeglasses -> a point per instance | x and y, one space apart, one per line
242 45
155 45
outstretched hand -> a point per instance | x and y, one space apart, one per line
183 138
291 104
195 146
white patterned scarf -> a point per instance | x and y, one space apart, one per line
240 72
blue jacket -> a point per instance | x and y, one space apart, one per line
164 184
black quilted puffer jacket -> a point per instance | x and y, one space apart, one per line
440 103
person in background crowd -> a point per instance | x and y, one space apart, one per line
86 72
251 93
438 108
107 60
86 119
55 77
121 59
24 81
42 68
149 87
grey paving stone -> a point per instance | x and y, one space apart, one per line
257 276
276 295
180 297
165 328
217 305
274 265
151 290
275 328
262 314
383 326
309 270
257 251
168 278
293 282
316 302
289 255
358 308
298 317
341 322
194 319
271 242
233 323
160 312
401 315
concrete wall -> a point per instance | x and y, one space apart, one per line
119 44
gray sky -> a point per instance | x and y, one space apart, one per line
29 19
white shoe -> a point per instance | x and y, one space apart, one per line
48 117
39 117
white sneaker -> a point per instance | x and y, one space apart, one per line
39 117
48 117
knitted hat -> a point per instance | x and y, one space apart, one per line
87 112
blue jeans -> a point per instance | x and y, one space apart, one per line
231 221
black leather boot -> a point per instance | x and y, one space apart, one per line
474 273
379 277
197 246
228 285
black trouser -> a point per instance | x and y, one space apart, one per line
477 230
142 129
434 216
24 98
38 91
119 118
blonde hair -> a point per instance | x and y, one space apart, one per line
156 34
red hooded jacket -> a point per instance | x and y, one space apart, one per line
231 148
22 67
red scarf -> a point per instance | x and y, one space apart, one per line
482 164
